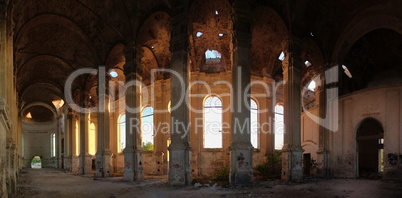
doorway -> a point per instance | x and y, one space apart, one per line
306 164
370 144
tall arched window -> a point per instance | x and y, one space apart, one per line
254 123
77 139
122 133
213 122
53 144
92 139
279 126
147 128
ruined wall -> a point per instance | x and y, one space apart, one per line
381 103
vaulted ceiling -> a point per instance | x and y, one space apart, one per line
53 38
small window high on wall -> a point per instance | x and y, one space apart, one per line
147 129
213 122
122 132
279 126
212 57
254 123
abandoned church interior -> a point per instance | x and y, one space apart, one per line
188 88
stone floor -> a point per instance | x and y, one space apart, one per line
48 183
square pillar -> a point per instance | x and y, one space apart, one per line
103 155
322 153
133 165
85 159
180 172
241 150
292 150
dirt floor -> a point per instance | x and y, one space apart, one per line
48 183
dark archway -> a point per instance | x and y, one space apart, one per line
370 142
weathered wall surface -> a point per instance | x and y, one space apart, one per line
310 135
205 162
381 103
37 141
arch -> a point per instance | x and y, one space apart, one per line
369 147
48 85
366 21
212 111
58 20
116 58
147 15
311 52
153 44
46 57
216 29
50 107
269 32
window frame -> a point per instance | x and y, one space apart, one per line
120 125
203 122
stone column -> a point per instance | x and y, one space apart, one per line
241 150
103 155
179 149
58 156
292 150
133 169
322 153
68 142
85 159
75 143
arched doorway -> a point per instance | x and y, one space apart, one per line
370 144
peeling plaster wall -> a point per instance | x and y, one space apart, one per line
381 103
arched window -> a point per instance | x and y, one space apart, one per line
147 128
92 139
213 122
254 123
279 125
53 144
122 133
77 139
